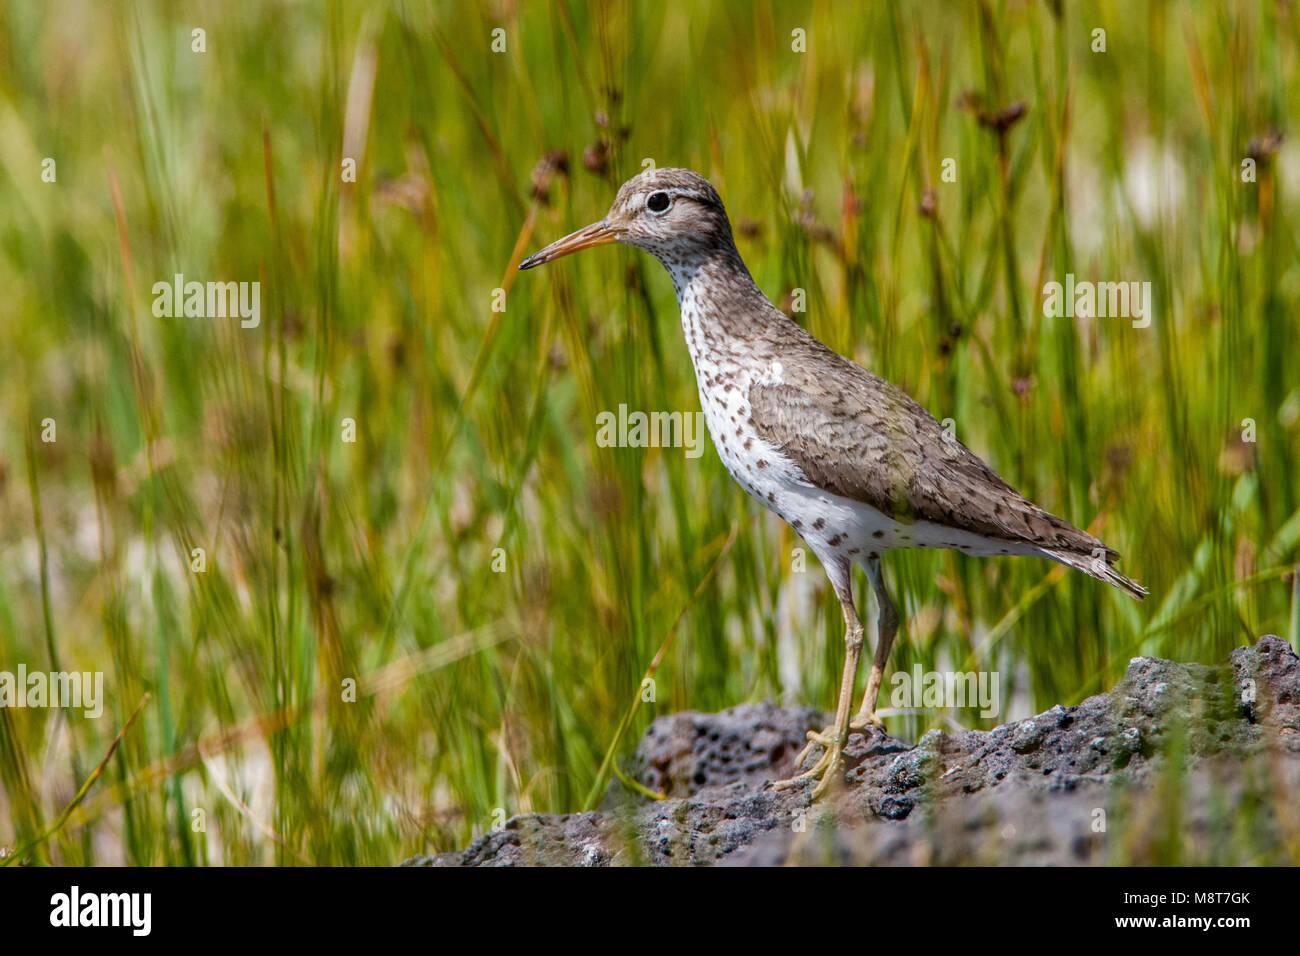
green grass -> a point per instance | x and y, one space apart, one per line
481 691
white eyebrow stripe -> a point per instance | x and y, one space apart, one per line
691 194
641 200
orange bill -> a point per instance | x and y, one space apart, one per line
597 234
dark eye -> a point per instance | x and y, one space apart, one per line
657 202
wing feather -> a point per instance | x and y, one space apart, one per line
854 434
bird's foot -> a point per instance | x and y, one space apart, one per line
864 720
826 770
815 740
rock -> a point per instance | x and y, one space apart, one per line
1179 763
753 743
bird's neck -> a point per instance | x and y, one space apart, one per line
722 307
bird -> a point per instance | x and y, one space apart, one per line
851 462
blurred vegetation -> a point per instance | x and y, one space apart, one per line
481 690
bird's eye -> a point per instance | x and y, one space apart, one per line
658 202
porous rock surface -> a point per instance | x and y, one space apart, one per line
1179 763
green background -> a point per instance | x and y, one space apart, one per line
480 692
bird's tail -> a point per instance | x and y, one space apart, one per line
1099 565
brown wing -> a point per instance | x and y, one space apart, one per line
854 434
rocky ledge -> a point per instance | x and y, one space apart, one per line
1180 763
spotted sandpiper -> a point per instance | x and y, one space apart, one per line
848 460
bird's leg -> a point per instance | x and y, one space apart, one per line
833 738
886 630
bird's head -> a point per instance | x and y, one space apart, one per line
673 214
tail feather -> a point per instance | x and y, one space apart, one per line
1100 567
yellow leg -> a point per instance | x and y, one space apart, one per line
886 631
833 738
